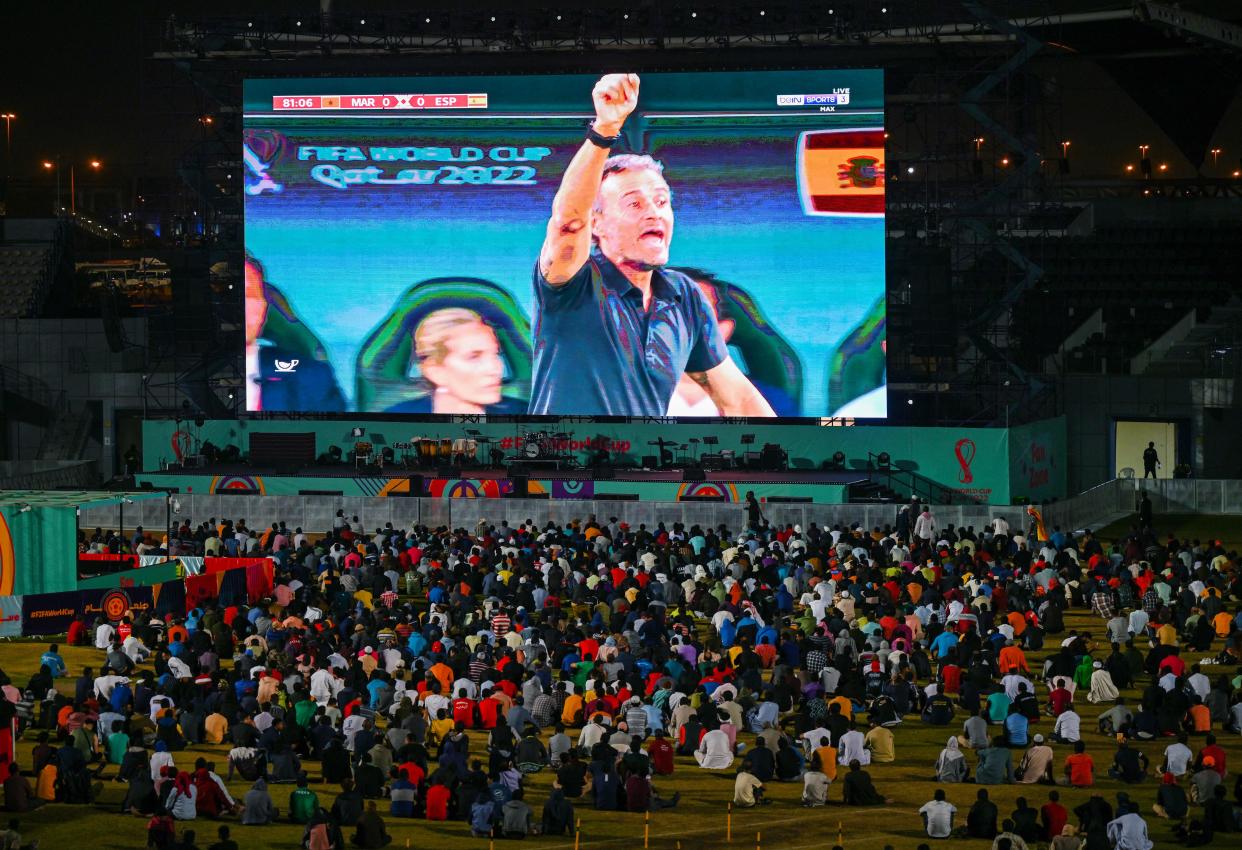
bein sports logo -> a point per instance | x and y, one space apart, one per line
286 366
965 452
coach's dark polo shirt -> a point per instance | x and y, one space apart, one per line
598 353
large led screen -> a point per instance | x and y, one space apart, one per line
668 244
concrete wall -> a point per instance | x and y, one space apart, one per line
1203 405
72 356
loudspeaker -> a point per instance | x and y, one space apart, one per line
650 461
693 474
321 492
788 500
521 486
718 498
229 491
446 472
604 473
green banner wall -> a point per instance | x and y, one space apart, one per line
1038 466
973 462
38 549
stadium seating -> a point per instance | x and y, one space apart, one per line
26 272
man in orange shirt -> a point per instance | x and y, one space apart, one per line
444 674
1080 767
1200 718
827 759
1012 658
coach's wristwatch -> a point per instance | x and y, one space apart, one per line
599 141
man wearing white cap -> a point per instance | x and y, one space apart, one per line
1036 764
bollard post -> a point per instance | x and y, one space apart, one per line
758 841
729 825
646 830
577 833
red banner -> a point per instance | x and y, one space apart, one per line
220 565
130 560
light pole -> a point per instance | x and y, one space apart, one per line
8 159
49 165
54 165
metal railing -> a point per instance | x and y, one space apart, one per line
909 481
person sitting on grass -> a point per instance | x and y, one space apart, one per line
1080 767
858 789
951 765
747 789
981 819
225 842
257 808
303 802
938 816
815 785
1129 765
995 764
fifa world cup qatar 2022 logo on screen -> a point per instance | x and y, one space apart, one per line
965 452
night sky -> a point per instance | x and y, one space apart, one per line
74 74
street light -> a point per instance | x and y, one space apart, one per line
54 165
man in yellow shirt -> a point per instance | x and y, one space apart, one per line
880 741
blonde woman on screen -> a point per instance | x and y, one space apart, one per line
459 362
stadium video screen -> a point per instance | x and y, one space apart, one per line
665 244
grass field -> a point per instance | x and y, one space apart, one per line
699 821
1226 529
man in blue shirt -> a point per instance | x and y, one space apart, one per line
944 643
614 330
55 664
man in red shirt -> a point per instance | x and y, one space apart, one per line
463 710
661 752
437 802
1053 815
1214 751
489 710
1059 700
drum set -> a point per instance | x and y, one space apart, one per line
551 446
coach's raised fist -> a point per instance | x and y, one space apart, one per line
615 97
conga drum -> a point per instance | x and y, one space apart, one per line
446 449
426 451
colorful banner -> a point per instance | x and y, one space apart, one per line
10 616
165 589
221 565
974 462
141 577
114 604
